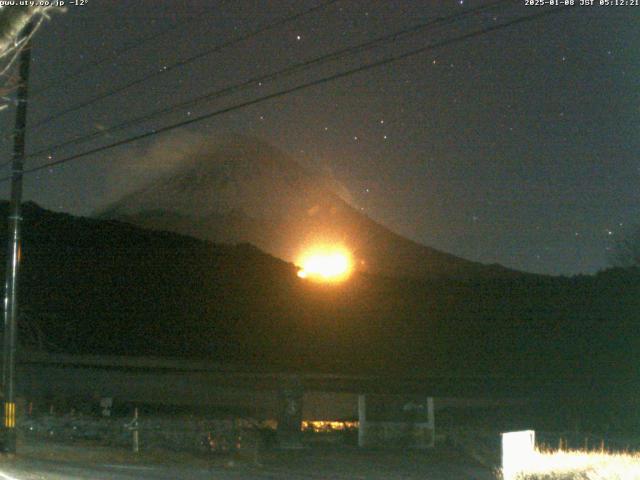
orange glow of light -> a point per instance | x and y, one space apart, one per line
325 264
328 426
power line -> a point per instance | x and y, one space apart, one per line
297 88
63 79
186 61
134 44
271 76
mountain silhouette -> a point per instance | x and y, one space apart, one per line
90 286
244 190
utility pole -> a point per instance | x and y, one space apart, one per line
14 251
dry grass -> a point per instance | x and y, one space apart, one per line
582 465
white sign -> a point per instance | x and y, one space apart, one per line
518 452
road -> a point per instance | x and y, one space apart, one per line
52 470
323 463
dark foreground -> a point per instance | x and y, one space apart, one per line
441 463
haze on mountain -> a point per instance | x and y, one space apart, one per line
244 190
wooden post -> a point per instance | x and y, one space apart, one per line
431 420
135 431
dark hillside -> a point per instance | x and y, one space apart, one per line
91 286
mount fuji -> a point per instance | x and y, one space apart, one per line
244 190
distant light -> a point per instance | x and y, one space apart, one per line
326 264
328 425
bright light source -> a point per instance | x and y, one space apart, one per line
518 452
589 465
328 425
4 476
328 264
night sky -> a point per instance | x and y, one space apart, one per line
519 146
